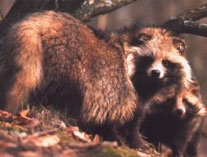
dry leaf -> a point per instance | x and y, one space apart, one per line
21 119
5 144
30 154
4 154
71 129
82 136
69 153
43 141
96 139
6 116
24 113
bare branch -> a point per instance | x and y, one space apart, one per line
23 7
186 26
194 14
89 10
184 22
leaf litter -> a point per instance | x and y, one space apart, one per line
37 135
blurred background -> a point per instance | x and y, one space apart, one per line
155 12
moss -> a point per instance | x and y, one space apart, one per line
65 138
102 152
110 151
10 133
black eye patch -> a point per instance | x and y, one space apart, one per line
140 39
170 65
166 63
144 37
146 60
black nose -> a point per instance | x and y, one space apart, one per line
155 73
179 111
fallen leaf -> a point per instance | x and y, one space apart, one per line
24 113
82 136
5 144
2 154
43 141
30 154
96 139
71 129
21 119
69 153
5 116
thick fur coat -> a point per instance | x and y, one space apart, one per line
52 58
163 79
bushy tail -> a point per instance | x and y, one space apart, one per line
21 65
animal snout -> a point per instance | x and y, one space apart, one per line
180 111
155 73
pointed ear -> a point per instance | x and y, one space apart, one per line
131 64
126 39
126 36
180 45
203 111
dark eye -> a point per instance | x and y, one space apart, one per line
140 39
147 60
166 62
144 37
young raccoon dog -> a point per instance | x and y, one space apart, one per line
52 58
162 77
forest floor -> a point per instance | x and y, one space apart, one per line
45 133
42 133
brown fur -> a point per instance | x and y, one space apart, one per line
52 58
174 108
191 96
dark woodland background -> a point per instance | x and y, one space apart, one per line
155 12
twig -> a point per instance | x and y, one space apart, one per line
89 10
184 22
194 14
23 7
186 26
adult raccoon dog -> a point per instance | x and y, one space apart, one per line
52 58
162 77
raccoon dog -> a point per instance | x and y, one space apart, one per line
52 58
163 79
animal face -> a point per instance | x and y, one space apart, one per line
189 102
158 56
